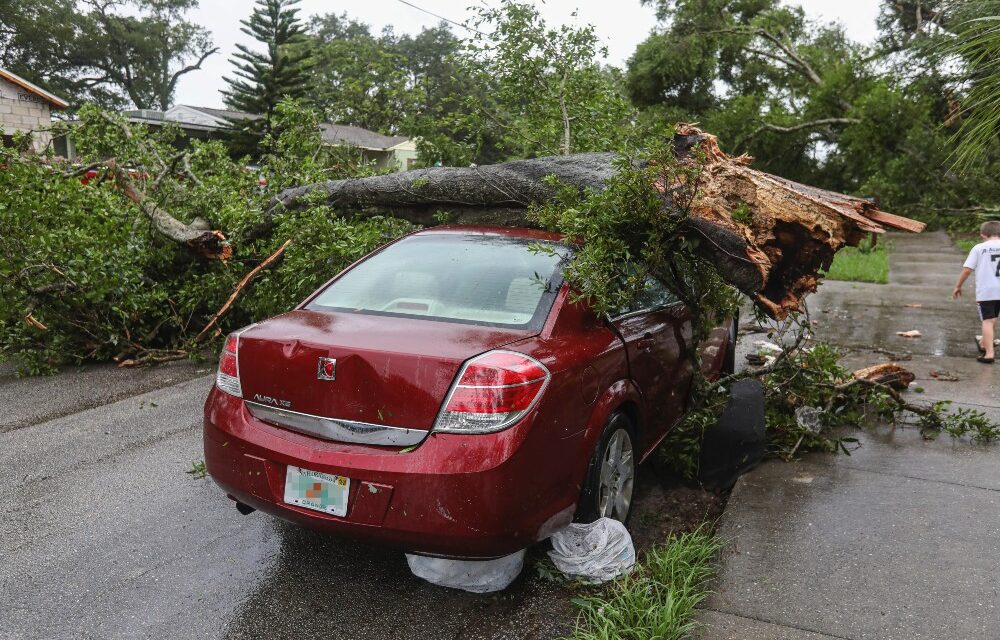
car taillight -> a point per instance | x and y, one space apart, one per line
228 376
493 391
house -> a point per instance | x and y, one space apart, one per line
26 107
398 153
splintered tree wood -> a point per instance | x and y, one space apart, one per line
776 257
889 374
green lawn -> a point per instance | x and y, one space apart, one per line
861 264
966 244
658 599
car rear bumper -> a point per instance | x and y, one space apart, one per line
462 496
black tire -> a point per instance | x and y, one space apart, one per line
589 508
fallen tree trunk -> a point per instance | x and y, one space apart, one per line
775 258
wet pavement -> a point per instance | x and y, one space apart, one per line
105 535
901 539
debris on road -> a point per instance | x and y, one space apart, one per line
595 552
913 305
756 360
764 345
475 576
944 376
752 327
809 417
912 333
889 374
892 354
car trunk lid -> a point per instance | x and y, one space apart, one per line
389 371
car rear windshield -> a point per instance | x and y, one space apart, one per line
474 279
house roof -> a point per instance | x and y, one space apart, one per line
345 133
52 99
206 119
227 114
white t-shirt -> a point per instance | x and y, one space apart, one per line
985 260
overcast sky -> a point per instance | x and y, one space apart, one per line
621 24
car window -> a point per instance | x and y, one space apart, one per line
474 278
654 294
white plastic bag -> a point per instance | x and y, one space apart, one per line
477 576
595 552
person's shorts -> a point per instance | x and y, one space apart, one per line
989 309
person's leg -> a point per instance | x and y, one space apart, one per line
988 312
987 341
988 337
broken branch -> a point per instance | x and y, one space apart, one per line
812 124
211 244
239 288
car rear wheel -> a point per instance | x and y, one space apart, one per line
611 476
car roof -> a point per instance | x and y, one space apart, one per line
486 230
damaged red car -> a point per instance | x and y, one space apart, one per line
446 396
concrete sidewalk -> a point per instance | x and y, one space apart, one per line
900 539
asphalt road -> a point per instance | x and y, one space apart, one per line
105 535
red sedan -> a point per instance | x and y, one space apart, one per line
445 396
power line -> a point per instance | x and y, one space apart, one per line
439 17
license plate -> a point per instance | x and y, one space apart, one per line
317 490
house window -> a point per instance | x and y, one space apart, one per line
411 163
8 142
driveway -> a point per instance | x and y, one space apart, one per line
901 539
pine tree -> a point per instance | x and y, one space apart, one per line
262 80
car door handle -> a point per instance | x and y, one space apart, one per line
645 343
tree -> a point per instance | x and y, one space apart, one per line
547 92
126 265
810 103
769 82
766 236
358 78
977 44
263 79
411 85
93 50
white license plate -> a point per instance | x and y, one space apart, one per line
317 490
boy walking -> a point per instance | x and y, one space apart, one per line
984 259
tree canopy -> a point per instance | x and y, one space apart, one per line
116 53
814 106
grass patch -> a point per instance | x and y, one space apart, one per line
861 264
658 599
966 244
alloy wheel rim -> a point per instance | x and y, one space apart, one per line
617 477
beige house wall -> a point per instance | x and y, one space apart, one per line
21 110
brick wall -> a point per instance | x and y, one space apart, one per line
21 110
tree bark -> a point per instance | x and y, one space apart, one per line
775 258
